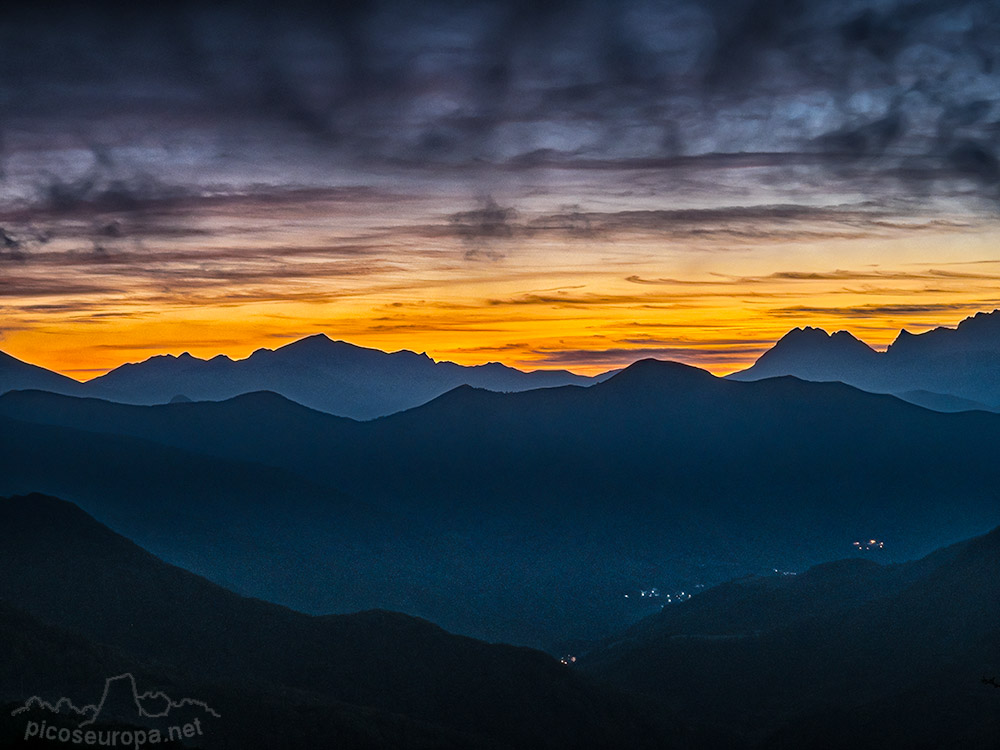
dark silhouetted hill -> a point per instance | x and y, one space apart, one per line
847 654
292 677
17 375
813 354
946 369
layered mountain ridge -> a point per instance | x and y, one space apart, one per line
946 369
516 516
331 376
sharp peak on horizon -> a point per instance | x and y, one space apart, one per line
818 332
182 357
313 338
810 338
324 338
316 340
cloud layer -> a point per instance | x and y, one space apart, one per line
812 86
534 172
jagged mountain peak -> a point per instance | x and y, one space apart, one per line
810 332
812 354
948 369
321 345
315 342
168 359
979 332
808 336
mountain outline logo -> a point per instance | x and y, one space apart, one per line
120 702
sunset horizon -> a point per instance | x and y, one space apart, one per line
548 188
703 354
592 374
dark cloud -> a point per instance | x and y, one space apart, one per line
485 230
676 300
881 311
489 82
567 300
678 282
754 223
146 223
708 345
571 220
665 219
489 230
824 275
865 140
870 275
27 287
976 159
10 248
105 204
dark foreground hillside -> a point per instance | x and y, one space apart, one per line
847 655
80 604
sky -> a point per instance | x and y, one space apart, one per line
551 185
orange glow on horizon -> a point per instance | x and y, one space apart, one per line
587 304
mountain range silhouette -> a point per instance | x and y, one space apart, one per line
947 369
331 376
